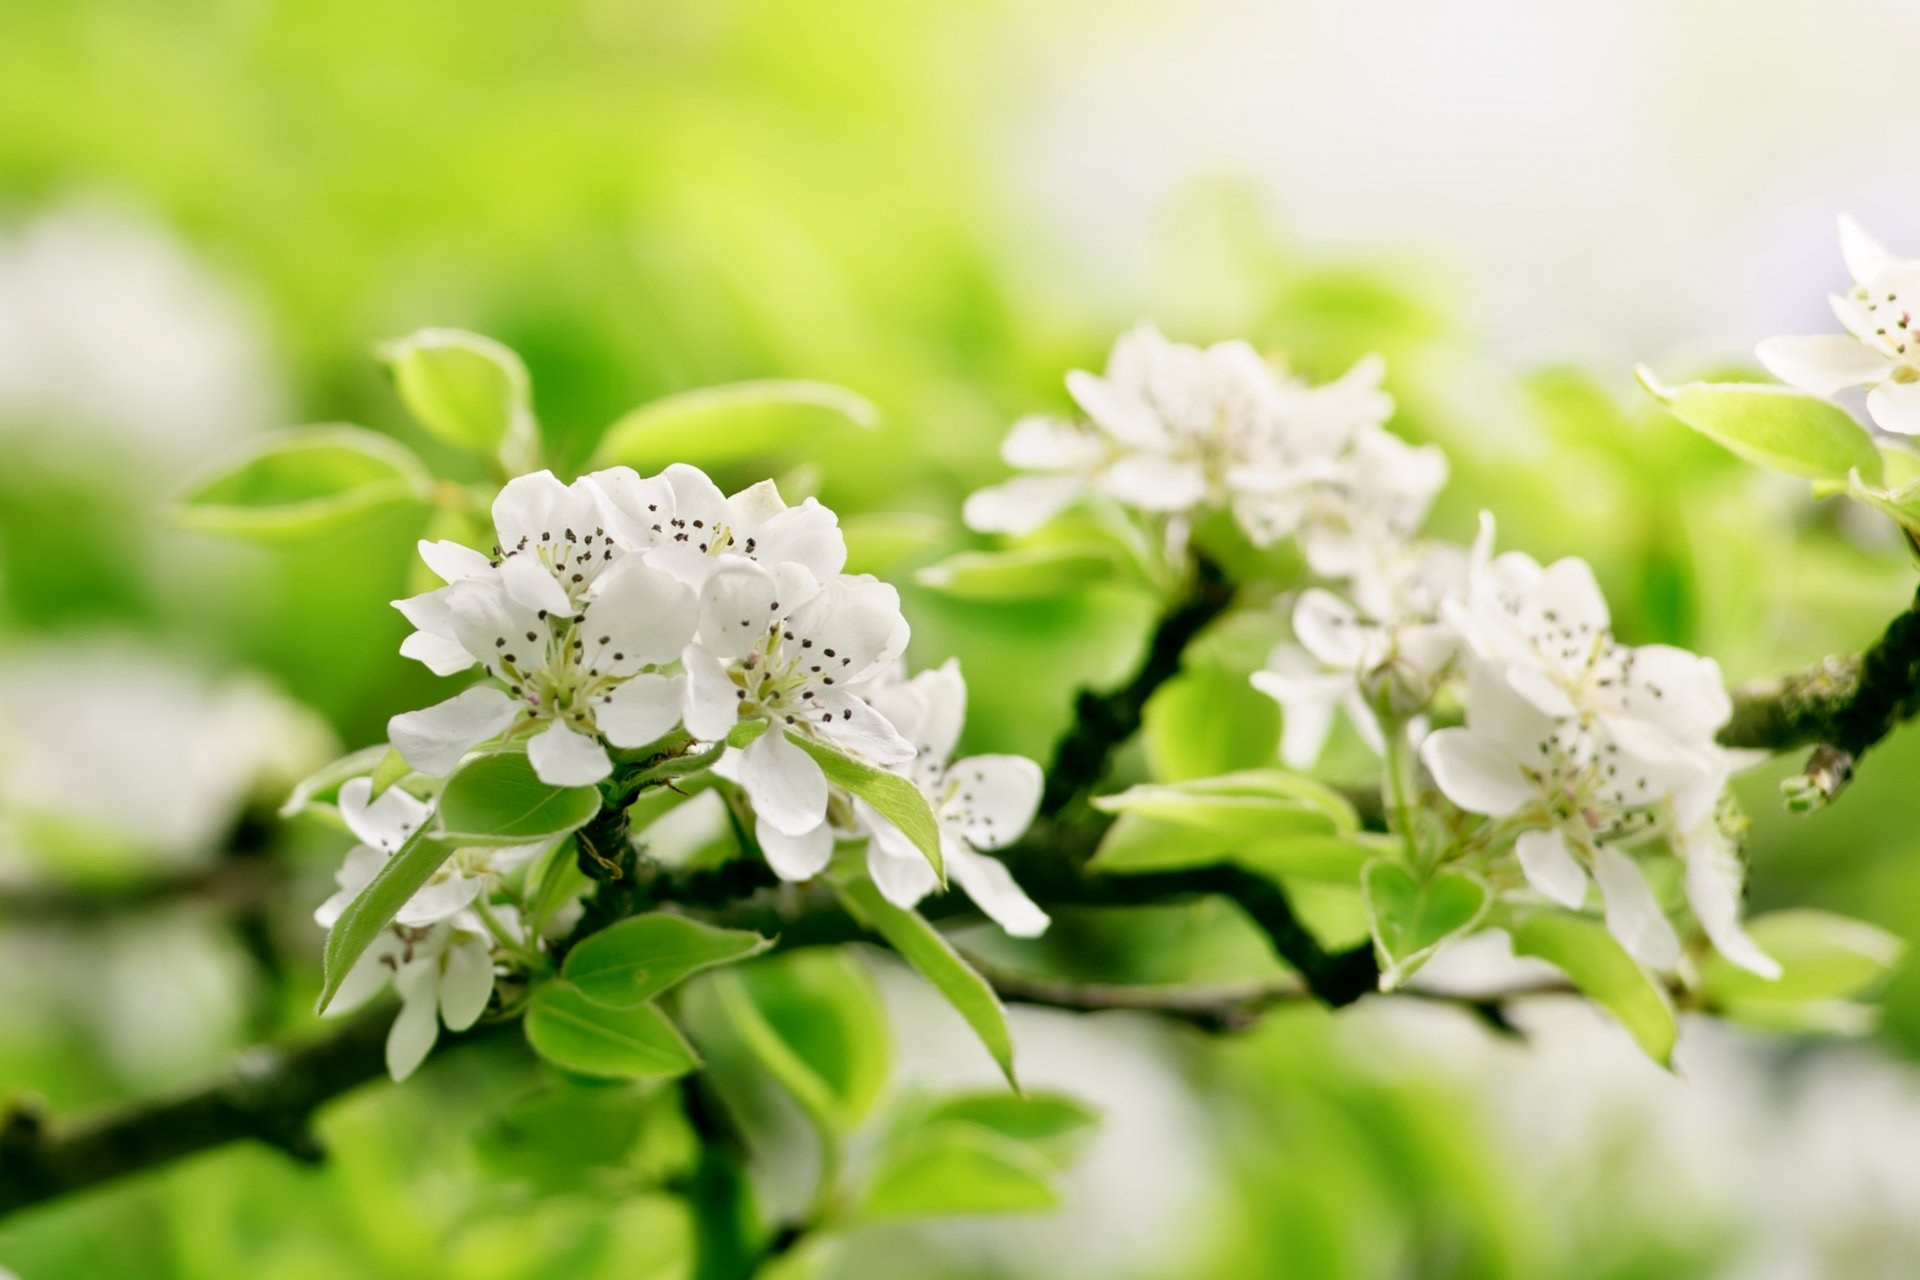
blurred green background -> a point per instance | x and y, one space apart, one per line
210 210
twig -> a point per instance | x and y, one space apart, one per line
1843 705
1103 721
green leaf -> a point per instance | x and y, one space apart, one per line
1022 573
957 1169
895 798
499 800
411 866
1254 804
744 732
1774 427
1901 503
1822 957
1136 844
392 768
1202 723
923 947
328 777
813 1020
1411 919
574 1033
1600 967
635 959
464 388
731 423
302 481
570 1135
1050 1123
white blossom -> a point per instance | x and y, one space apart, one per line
981 803
1878 350
443 972
1172 428
573 623
798 667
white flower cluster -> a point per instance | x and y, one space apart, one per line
617 608
1881 347
1586 751
439 951
1180 430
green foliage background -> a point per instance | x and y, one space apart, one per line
645 198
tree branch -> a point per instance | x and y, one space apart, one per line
1103 721
1843 705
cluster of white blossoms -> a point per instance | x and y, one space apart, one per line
618 608
439 952
1584 752
1179 430
1881 347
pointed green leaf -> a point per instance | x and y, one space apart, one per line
1600 967
462 387
574 1033
499 800
956 1169
1137 844
1202 723
1774 427
635 959
813 1020
392 767
1822 957
411 866
923 947
895 798
730 423
1411 919
328 777
1022 573
297 482
1255 804
1050 1123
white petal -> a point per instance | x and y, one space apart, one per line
994 798
1040 443
1121 414
384 823
563 758
1153 482
431 611
1865 256
800 857
1633 914
695 496
855 626
433 740
1714 878
526 506
533 585
497 629
1551 867
1020 505
450 561
1307 698
466 983
439 900
639 615
855 727
783 782
738 605
992 888
899 870
712 699
1475 771
754 505
418 1025
1895 406
438 654
635 511
808 535
1822 363
640 710
1329 629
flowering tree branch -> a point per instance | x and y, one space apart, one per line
1843 705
